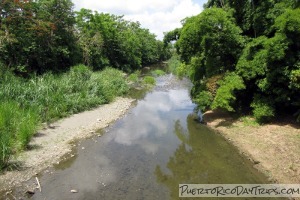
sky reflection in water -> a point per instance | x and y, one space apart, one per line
145 155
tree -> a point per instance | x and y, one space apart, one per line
210 44
40 31
212 36
120 43
244 54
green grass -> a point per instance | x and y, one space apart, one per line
134 77
149 80
26 103
158 72
249 121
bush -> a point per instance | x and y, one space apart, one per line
225 96
263 109
203 100
134 77
158 72
182 70
149 80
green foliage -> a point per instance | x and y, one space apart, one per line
158 72
263 109
212 36
49 36
112 83
248 121
110 40
255 43
17 125
203 100
225 96
171 36
181 70
41 32
149 80
174 63
80 72
289 23
23 103
295 78
134 77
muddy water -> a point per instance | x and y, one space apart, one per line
145 155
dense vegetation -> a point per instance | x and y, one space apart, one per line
38 36
27 103
243 56
55 62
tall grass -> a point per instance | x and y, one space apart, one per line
26 103
17 125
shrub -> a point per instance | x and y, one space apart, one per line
263 109
134 77
225 96
158 72
203 100
182 70
149 80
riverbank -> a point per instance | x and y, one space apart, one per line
49 145
273 148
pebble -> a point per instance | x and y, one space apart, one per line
74 191
83 148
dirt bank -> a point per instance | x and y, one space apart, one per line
50 144
274 148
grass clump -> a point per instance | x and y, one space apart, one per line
134 77
149 80
158 72
249 121
17 126
25 103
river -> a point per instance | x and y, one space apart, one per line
148 153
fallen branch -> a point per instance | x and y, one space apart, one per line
38 182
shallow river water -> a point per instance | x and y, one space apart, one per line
148 153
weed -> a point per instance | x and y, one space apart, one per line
149 80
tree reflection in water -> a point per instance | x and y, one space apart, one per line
204 157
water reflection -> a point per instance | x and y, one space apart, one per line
147 154
204 158
150 120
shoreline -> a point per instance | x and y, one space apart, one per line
274 149
50 144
